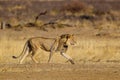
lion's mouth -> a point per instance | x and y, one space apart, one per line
65 46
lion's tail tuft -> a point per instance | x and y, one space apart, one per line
24 49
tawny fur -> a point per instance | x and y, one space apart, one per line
51 45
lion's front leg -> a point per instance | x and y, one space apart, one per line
67 57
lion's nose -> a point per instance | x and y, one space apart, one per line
73 43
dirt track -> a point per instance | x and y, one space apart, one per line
86 71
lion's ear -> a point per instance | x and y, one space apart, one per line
63 36
72 35
68 36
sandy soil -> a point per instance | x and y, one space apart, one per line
86 71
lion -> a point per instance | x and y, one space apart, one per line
51 45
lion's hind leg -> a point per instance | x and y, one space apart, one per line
50 56
33 57
24 56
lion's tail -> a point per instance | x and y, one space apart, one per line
24 49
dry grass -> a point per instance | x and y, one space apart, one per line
87 49
8 48
97 50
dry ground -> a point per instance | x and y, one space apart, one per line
88 71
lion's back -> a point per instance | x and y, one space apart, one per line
42 43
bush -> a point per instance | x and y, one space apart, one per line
74 6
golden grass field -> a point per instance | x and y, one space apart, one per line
96 45
97 33
96 55
86 49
